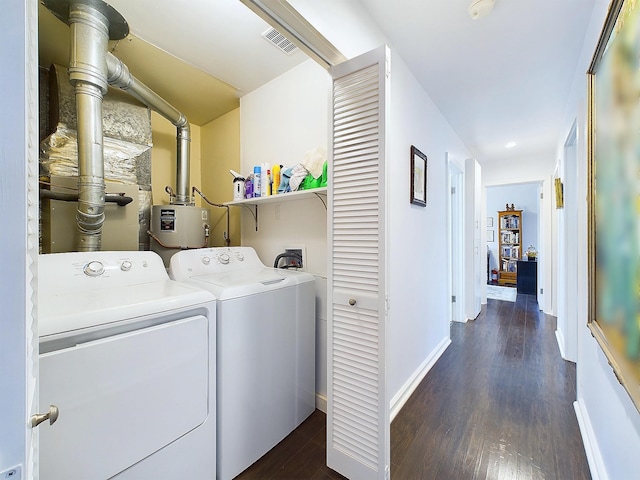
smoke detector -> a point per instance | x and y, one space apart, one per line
480 8
282 43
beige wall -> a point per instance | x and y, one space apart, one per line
220 150
163 158
215 148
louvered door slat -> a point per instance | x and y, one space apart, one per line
357 430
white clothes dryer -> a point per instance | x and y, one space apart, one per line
265 351
128 357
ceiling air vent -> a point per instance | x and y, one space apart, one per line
278 40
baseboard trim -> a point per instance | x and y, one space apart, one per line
400 398
321 402
560 340
594 457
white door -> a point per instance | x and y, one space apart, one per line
19 237
358 443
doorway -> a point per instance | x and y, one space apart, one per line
567 270
523 196
456 240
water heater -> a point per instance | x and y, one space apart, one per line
178 227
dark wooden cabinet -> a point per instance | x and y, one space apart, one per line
527 277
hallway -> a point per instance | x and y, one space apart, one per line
498 404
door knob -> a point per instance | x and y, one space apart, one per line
51 415
352 301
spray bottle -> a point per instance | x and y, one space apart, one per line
257 181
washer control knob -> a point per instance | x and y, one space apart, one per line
206 260
224 258
93 269
240 257
126 266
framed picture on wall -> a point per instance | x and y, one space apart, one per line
614 224
418 177
489 221
490 237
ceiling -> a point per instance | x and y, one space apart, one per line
201 55
501 78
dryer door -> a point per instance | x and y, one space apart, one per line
122 398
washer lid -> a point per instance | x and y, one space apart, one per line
68 312
240 283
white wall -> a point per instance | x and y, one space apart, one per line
12 241
475 253
279 123
345 23
609 422
418 250
419 294
418 256
17 147
525 197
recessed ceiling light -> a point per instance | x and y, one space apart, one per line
510 145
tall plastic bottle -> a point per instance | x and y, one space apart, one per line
264 181
257 181
269 191
275 173
248 187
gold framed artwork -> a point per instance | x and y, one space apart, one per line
613 139
559 193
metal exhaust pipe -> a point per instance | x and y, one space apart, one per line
91 69
92 24
119 76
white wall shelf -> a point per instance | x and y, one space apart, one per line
320 193
282 197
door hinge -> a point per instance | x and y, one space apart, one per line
541 195
541 291
453 299
453 190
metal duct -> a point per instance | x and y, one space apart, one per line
91 70
92 23
119 76
120 198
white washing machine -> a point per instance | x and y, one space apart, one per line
265 351
128 357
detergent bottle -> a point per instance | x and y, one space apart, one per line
275 173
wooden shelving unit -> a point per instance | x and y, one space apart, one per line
509 245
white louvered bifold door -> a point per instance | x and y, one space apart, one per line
357 406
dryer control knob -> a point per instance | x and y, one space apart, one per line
224 258
93 269
240 257
126 266
206 260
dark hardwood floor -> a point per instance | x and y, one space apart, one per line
498 405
